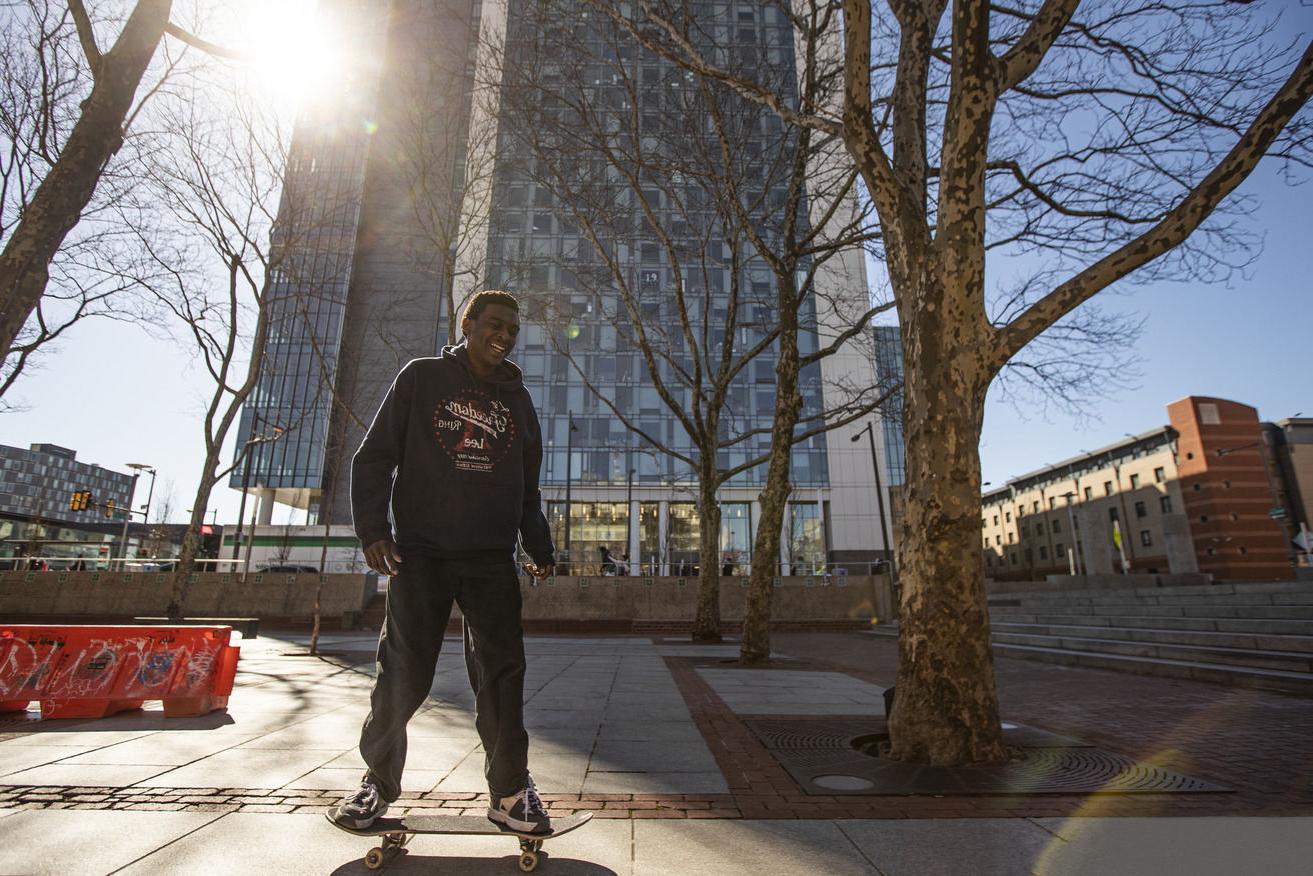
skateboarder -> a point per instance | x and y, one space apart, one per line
454 454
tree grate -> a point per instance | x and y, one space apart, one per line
1043 763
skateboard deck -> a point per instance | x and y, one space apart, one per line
396 832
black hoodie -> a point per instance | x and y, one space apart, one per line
458 459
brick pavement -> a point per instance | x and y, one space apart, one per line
1257 742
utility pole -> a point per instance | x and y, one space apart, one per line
885 536
127 518
569 479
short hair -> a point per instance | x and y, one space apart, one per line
489 296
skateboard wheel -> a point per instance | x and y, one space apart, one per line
529 862
374 858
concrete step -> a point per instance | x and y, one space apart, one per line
1286 661
1275 612
1238 599
1221 589
1234 676
1203 624
1205 638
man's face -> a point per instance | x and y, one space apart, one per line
491 337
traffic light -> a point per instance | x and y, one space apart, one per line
109 508
80 500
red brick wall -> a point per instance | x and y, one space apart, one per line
1227 497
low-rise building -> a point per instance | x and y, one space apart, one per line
1201 494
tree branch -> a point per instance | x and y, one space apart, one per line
86 35
1230 172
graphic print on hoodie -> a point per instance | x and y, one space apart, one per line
476 431
456 460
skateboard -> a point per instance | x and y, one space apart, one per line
396 832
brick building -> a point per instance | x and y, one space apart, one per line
1202 494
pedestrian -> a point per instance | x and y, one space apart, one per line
454 453
608 561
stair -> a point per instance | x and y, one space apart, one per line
1243 635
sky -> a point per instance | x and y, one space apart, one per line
117 394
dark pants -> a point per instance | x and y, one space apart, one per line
419 604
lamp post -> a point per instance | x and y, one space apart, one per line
150 493
1071 521
246 478
629 527
885 536
569 480
127 518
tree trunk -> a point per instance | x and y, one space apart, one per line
755 647
191 543
947 707
706 625
65 192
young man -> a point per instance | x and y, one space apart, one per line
454 453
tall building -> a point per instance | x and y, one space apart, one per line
404 256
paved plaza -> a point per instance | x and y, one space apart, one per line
654 736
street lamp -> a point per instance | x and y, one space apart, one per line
629 530
569 480
1071 520
278 432
150 494
885 536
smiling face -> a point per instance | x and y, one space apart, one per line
490 338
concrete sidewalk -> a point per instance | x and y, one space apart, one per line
628 727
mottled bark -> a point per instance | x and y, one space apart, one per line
59 201
755 647
947 703
706 624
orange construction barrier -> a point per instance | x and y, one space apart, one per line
94 671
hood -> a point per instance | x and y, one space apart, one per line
507 375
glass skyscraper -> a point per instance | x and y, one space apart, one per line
381 285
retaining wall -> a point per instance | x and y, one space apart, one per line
210 594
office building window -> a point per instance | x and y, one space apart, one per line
1107 488
1141 510
1159 475
1089 493
1146 538
1135 482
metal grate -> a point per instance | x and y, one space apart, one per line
810 748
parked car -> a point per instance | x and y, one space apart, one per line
287 567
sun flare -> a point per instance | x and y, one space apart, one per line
299 52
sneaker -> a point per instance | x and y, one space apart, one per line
360 809
522 812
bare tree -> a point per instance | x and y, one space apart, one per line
714 186
1100 140
44 77
218 169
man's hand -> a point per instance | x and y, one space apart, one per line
540 574
384 557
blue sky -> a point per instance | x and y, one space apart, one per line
1250 341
